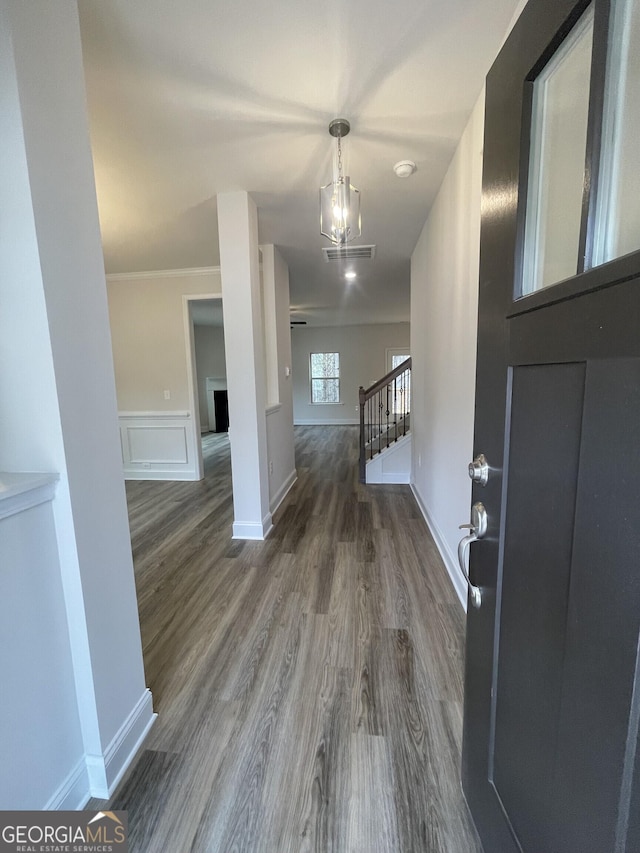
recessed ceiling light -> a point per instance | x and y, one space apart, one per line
350 275
405 168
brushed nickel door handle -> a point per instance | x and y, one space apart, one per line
477 529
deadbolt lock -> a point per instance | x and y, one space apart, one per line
479 469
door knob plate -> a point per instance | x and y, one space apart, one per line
479 519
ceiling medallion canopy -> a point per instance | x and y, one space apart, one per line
339 199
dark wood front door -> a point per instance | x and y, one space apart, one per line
552 708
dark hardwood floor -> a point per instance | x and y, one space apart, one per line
308 687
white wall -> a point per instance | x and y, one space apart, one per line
57 396
148 335
160 437
149 353
210 362
362 361
280 438
444 305
48 770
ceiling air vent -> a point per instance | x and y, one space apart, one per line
349 253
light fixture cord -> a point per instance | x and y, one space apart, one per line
339 157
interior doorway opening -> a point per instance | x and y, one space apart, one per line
207 370
210 364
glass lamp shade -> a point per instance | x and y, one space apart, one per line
340 211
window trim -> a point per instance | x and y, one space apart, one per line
313 402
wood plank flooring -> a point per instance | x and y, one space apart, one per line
308 687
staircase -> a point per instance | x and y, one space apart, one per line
385 410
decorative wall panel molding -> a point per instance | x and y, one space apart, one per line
157 446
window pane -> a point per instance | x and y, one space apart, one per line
618 218
557 159
325 391
325 377
325 364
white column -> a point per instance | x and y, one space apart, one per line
269 307
57 392
244 351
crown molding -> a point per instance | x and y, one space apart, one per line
192 272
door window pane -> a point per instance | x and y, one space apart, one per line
617 229
556 164
398 359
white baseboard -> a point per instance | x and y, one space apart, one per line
450 562
283 491
73 794
148 474
253 529
326 422
105 771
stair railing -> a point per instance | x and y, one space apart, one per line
384 413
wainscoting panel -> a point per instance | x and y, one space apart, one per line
393 465
158 445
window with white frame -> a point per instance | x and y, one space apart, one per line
324 372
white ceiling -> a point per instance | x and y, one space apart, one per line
191 98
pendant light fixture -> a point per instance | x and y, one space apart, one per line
339 200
